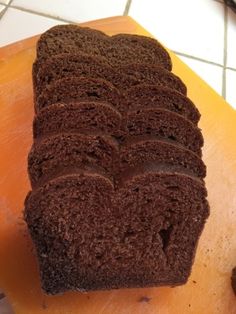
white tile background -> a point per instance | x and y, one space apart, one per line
5 1
192 27
74 10
27 25
2 7
201 32
209 72
231 39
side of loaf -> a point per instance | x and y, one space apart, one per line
118 196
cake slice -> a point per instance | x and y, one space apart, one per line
76 64
164 124
65 152
151 74
147 50
150 149
89 236
76 117
147 95
71 89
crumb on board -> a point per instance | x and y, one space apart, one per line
2 295
44 305
144 299
233 280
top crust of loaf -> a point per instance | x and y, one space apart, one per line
67 38
117 50
154 50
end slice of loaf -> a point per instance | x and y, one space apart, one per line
88 238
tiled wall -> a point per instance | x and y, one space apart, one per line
201 32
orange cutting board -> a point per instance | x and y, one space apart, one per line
208 290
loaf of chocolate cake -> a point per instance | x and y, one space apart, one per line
118 197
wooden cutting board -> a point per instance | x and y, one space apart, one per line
208 290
